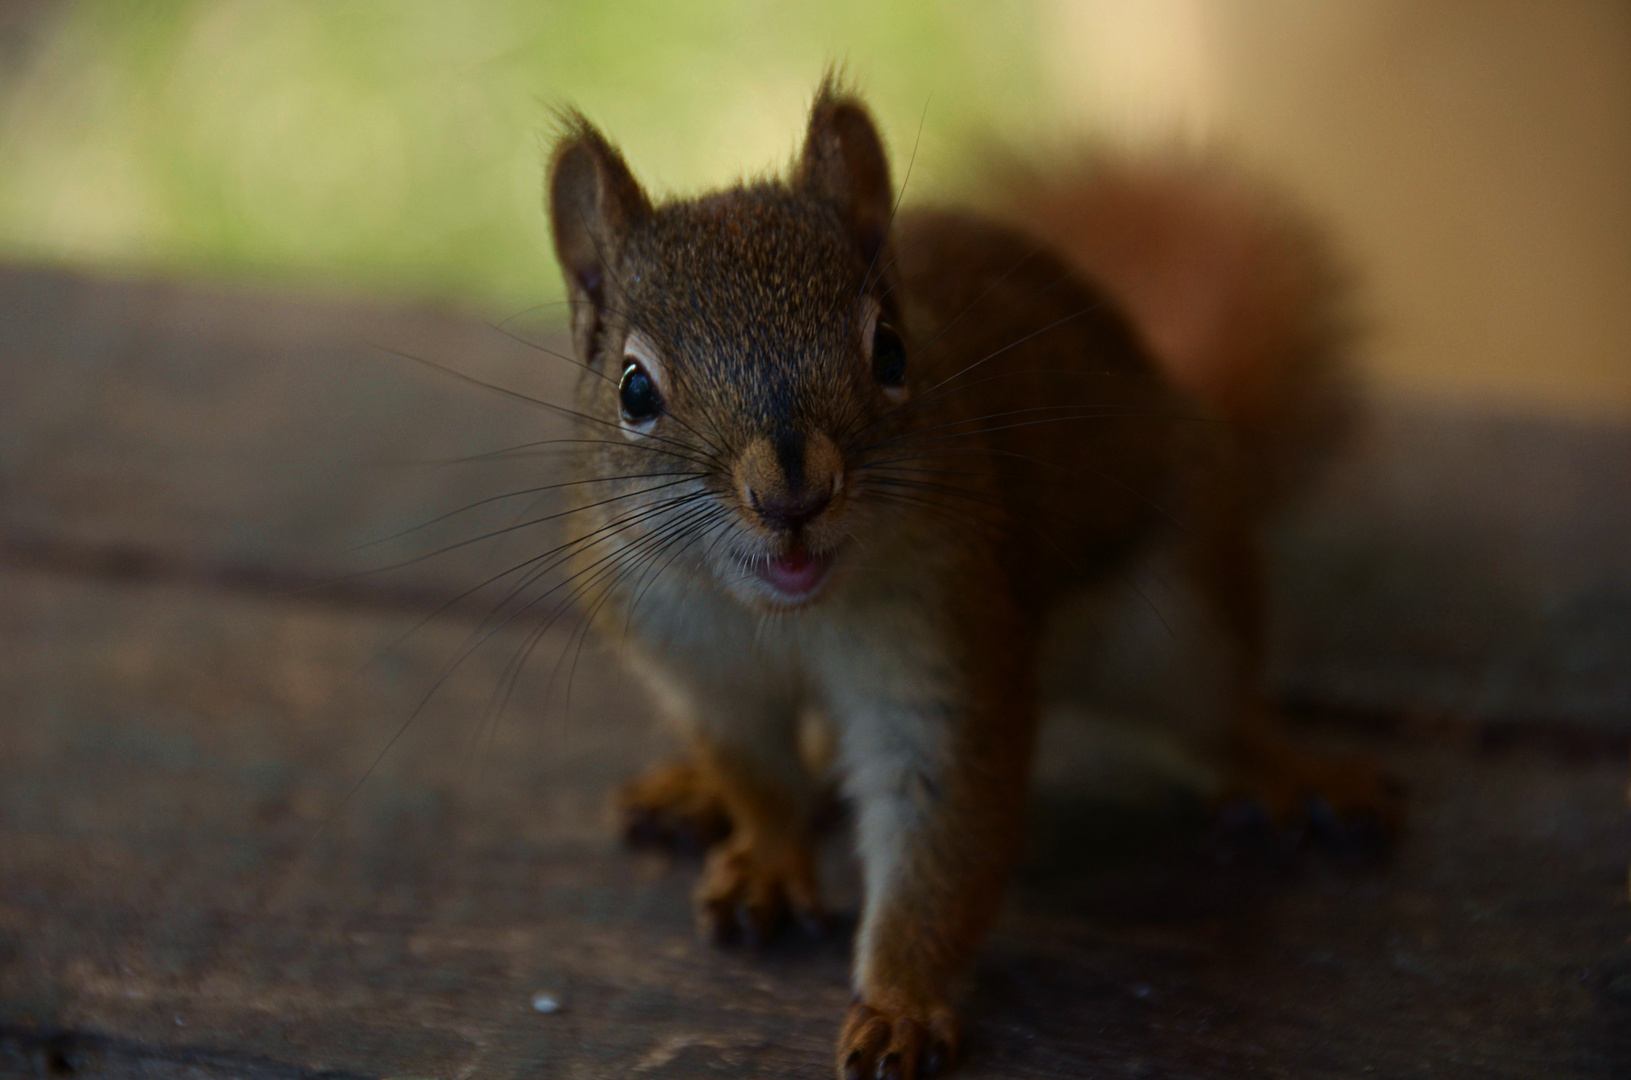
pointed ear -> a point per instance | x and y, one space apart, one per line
594 202
844 161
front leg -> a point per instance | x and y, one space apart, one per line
763 874
674 805
1267 766
744 769
939 781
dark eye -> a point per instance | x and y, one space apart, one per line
888 355
637 396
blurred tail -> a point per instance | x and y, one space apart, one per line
1232 291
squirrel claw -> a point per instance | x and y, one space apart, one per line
749 893
895 1044
1283 797
672 806
1325 795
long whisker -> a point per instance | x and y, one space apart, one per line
458 662
904 465
402 729
709 443
527 398
916 401
721 522
938 390
1074 469
527 449
673 533
547 351
961 516
984 500
1085 412
497 532
905 410
1030 254
921 434
609 566
527 311
866 281
565 552
509 495
499 702
930 394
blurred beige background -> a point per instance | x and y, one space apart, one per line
1474 159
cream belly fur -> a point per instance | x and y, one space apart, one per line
868 664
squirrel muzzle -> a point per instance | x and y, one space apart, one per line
788 480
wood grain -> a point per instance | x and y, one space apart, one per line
189 885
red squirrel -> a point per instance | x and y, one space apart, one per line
840 464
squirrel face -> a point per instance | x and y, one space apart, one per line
736 344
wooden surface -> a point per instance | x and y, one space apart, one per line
189 887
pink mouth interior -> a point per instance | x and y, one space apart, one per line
797 572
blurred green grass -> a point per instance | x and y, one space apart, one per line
396 147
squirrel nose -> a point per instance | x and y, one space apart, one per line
786 482
791 511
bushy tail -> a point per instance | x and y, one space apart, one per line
1233 291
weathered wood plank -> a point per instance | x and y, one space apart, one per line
210 432
167 755
169 749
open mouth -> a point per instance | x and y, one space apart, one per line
796 573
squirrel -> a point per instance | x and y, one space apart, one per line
845 461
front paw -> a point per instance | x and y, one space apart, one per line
673 805
896 1043
751 890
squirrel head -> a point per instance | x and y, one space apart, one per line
734 346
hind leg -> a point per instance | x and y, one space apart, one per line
1266 765
1292 783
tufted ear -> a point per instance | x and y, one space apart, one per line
844 161
594 202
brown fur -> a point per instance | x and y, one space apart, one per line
1032 450
1237 298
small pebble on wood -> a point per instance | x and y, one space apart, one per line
545 1003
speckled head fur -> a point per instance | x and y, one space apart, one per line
732 341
